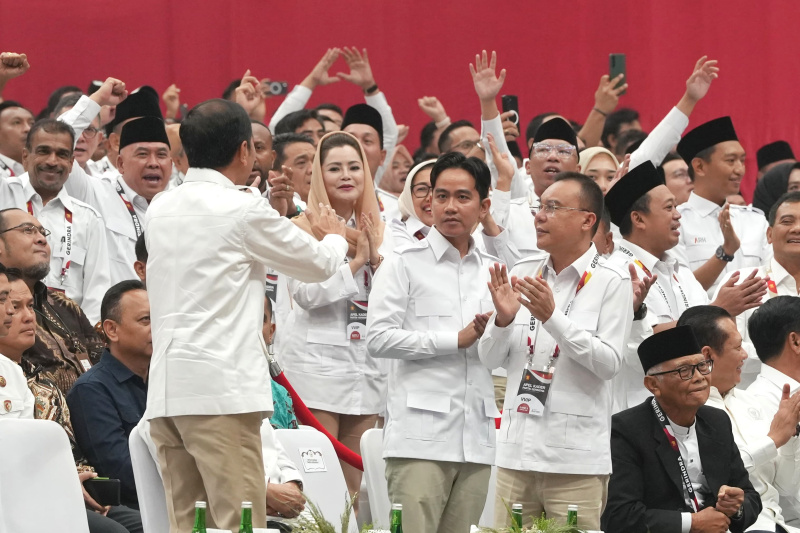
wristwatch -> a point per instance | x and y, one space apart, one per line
641 312
722 256
738 514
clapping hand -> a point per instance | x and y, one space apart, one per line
537 297
736 299
640 286
784 423
505 296
327 222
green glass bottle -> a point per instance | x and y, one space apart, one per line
397 518
199 517
572 515
246 525
516 517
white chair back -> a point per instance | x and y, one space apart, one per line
375 476
149 488
37 466
487 517
323 480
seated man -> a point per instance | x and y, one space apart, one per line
676 467
108 401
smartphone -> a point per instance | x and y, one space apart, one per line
183 110
616 66
510 103
103 490
278 88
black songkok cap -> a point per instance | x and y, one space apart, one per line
772 152
705 136
143 102
364 114
668 345
143 130
556 128
631 187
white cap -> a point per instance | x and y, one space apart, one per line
572 507
397 507
516 506
201 505
247 505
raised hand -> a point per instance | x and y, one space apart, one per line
730 241
431 106
705 71
505 296
172 100
12 65
537 297
247 94
606 97
641 287
112 92
621 171
402 133
484 78
326 222
360 70
281 193
319 74
503 162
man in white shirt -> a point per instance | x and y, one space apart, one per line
645 210
781 272
718 238
775 333
16 399
15 123
767 443
565 345
208 387
426 314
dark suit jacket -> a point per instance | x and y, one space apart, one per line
645 492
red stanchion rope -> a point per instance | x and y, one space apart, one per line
306 417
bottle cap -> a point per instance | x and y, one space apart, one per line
247 505
572 508
516 506
201 505
397 507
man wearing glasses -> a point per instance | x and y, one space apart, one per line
78 264
677 467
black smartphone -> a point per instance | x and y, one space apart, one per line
278 88
616 66
510 103
103 490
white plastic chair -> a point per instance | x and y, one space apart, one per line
327 490
149 487
39 487
375 476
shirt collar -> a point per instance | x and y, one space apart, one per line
647 259
581 264
441 246
778 274
120 372
63 196
15 165
701 205
413 225
208 175
779 378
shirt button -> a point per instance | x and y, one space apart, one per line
558 289
469 382
464 298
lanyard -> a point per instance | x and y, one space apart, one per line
587 275
687 483
773 288
657 284
136 225
66 240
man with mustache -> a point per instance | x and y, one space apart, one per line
77 237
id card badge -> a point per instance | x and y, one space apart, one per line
84 360
272 288
533 390
356 320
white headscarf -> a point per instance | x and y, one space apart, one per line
405 201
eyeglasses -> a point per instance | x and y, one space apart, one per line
563 151
421 190
90 132
550 209
686 372
28 229
466 146
680 173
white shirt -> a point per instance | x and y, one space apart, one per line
573 434
701 235
440 404
390 209
690 453
299 96
327 369
665 303
408 231
9 167
88 277
521 184
518 238
770 469
16 399
206 286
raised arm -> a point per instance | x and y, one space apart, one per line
12 65
606 98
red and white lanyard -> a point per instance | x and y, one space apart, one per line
136 225
673 443
66 241
657 284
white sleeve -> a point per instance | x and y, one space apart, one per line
495 127
96 270
294 101
81 116
661 140
379 102
338 287
500 207
501 247
80 185
494 345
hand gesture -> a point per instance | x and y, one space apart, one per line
319 74
281 193
536 296
487 83
326 222
373 238
285 499
730 241
606 97
729 500
172 100
12 65
640 286
402 133
700 81
784 423
431 106
510 128
503 161
362 252
360 71
481 321
709 520
247 94
468 336
112 92
505 296
736 299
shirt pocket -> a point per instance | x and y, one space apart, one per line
439 313
488 426
77 262
428 414
11 406
570 420
699 252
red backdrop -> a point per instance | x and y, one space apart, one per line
555 52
